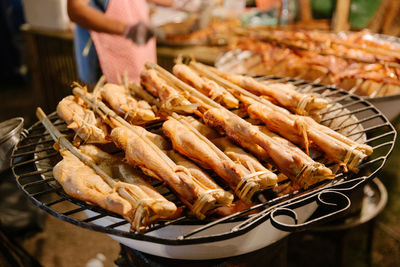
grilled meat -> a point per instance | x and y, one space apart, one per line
119 99
282 93
205 86
170 98
303 131
82 120
138 202
153 163
293 163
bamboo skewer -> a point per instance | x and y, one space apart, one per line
100 83
203 202
141 212
138 90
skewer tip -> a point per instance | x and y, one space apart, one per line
40 113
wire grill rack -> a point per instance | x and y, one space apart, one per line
34 157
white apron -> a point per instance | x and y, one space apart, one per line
117 54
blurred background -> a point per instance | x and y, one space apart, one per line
38 68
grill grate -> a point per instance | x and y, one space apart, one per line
34 157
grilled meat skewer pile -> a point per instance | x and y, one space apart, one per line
205 156
357 62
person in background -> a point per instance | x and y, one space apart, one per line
113 37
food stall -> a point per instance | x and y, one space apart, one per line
236 140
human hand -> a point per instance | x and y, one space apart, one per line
139 33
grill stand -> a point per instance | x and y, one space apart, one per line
273 255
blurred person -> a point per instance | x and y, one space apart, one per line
113 36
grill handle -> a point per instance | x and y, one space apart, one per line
330 203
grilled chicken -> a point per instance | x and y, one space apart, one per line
82 120
295 164
265 177
208 132
361 73
187 143
282 93
207 183
303 131
142 190
170 98
152 162
141 203
205 86
193 145
119 99
82 182
138 153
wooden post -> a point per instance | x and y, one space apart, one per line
341 17
305 10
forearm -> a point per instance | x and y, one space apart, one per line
162 2
81 13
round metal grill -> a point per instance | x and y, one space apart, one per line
34 158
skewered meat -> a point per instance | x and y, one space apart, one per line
238 155
201 178
267 178
144 192
134 111
293 163
361 77
205 86
212 134
302 131
141 207
170 98
284 94
222 196
82 120
357 46
217 27
138 153
192 145
82 182
187 143
299 129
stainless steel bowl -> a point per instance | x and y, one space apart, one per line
10 131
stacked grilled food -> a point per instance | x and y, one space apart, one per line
359 62
216 141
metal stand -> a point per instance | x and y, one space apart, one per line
344 242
